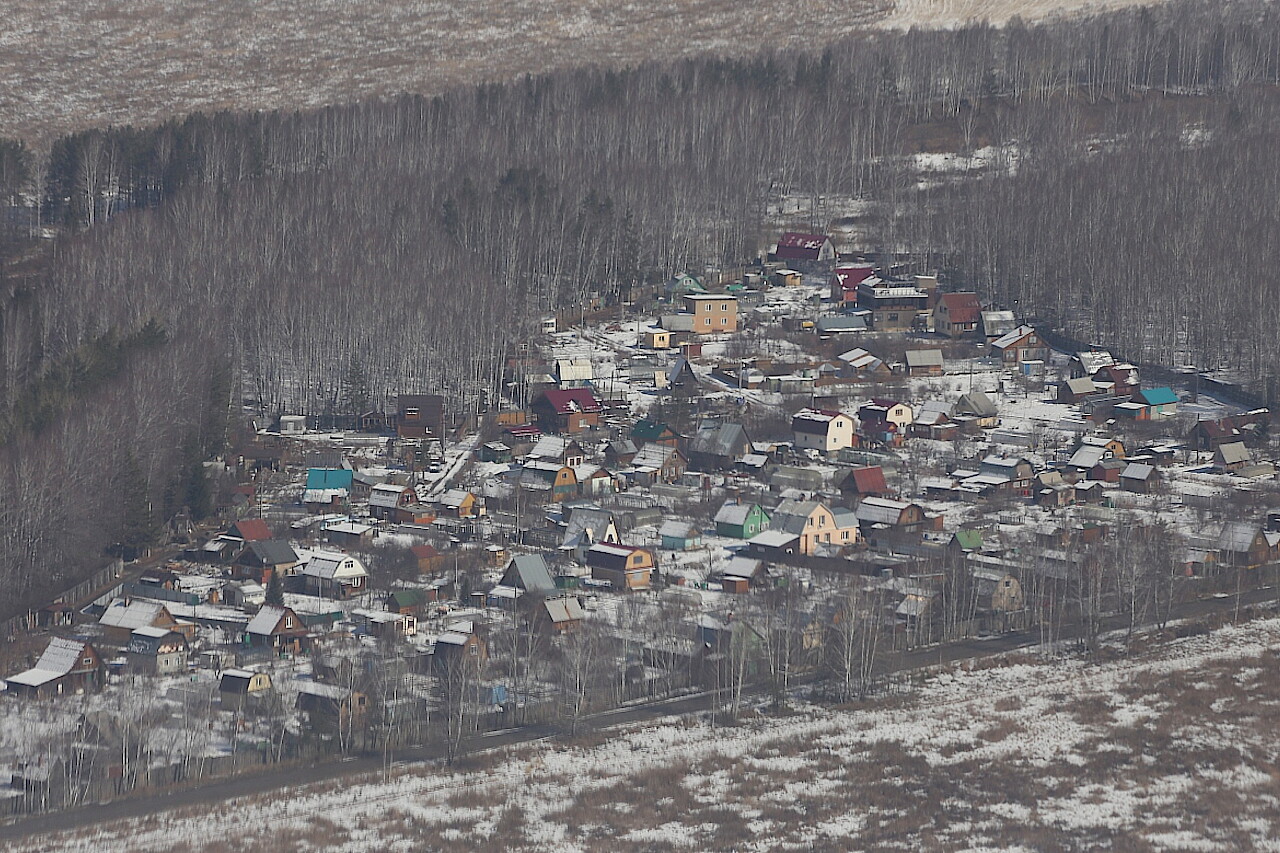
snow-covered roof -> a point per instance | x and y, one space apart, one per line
58 659
130 614
333 566
265 620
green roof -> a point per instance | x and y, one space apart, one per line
970 540
648 430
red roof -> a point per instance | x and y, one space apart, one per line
848 277
252 529
869 480
962 307
424 552
566 401
800 247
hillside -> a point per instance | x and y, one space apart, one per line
70 64
1175 749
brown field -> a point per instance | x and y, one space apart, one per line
69 64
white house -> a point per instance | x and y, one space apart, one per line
821 429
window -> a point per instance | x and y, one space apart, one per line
724 307
893 318
844 534
724 321
87 662
708 321
288 622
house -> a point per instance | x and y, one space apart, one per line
933 420
620 452
742 573
997 324
386 498
679 285
428 558
567 410
459 503
863 364
880 410
348 534
559 482
865 482
815 524
655 432
794 246
884 512
924 362
976 408
1108 470
559 615
1084 365
679 536
1021 344
574 372
494 451
407 602
1245 545
1232 456
659 463
718 447
712 313
123 615
1117 380
327 488
656 338
1094 449
420 415
957 314
999 599
266 557
824 430
330 706
1075 390
529 573
740 521
588 525
277 628
157 651
626 567
894 304
844 282
841 324
66 666
559 449
331 574
1138 477
1015 471
1208 434
250 530
240 687
386 623
1160 402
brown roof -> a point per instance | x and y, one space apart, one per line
962 307
252 529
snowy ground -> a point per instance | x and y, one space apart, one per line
1174 750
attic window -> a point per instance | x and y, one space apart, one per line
412 412
288 621
87 662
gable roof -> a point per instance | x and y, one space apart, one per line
1012 338
59 658
132 614
251 529
735 513
1162 396
962 307
1233 453
566 401
976 403
562 610
530 573
655 455
727 439
1137 471
924 358
816 421
800 247
329 478
264 622
868 480
647 430
273 552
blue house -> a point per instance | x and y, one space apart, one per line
679 536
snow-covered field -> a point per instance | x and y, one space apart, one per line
1177 749
68 64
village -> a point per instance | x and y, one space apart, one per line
793 474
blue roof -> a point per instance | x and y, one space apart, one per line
1159 396
329 478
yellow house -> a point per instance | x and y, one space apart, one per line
712 312
656 339
816 524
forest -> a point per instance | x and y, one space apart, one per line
325 261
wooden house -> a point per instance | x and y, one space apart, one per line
385 498
330 574
238 688
976 408
1138 477
814 524
718 447
420 415
625 566
428 558
250 530
66 666
558 615
277 628
157 651
266 557
123 615
740 521
646 431
659 463
330 706
1245 545
1020 345
957 314
567 410
1232 456
1000 603
807 248
865 482
679 536
924 362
